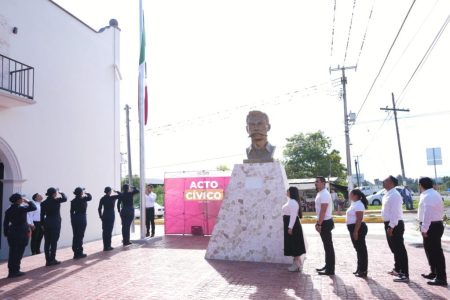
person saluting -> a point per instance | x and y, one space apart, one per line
107 216
51 222
78 207
16 230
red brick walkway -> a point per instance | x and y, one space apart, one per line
174 267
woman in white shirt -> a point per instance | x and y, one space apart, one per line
294 244
358 229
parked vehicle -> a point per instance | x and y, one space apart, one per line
376 198
159 211
369 190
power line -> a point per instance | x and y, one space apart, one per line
349 31
385 59
425 56
227 113
365 33
411 41
332 30
194 161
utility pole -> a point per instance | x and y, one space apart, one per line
357 172
346 119
395 110
127 109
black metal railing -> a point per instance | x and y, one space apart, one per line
16 77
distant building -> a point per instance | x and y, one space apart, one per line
59 107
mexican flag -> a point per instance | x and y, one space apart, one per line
142 70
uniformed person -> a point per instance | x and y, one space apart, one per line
51 221
78 207
107 216
126 211
16 230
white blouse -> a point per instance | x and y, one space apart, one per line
290 208
351 211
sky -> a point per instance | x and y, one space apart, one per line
209 62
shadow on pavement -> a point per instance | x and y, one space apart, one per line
180 242
260 278
43 277
342 290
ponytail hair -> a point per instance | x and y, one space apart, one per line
361 197
294 194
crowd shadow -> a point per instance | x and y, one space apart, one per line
42 277
260 277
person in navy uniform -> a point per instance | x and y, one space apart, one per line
107 216
126 211
51 222
78 207
16 230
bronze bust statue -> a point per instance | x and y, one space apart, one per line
257 127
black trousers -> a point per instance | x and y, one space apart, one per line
52 229
360 246
17 242
78 228
150 219
397 246
327 240
127 216
36 238
107 227
433 250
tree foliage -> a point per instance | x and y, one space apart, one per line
310 155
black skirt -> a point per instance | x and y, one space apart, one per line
294 245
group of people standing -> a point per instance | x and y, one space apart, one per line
430 215
41 218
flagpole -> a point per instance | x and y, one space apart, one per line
141 119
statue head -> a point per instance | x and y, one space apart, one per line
257 125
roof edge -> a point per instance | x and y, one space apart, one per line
78 19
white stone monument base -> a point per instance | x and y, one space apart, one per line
250 224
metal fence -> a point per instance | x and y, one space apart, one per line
16 77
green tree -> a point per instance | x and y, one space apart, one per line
222 167
309 155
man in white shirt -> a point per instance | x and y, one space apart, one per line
325 224
150 199
34 220
392 213
431 212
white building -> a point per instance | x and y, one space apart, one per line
59 108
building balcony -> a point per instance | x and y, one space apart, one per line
16 83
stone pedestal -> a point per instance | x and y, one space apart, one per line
250 224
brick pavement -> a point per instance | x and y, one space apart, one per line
173 267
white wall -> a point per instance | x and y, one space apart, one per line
70 137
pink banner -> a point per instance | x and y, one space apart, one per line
192 203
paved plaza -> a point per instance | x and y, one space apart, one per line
173 267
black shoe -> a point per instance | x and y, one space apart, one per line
437 282
127 243
402 278
147 234
356 272
152 235
329 273
78 256
52 263
361 274
17 274
429 276
321 269
108 249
